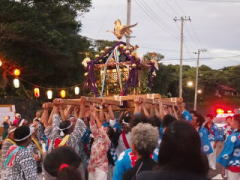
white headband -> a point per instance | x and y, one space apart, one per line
62 133
24 137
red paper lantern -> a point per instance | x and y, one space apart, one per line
36 92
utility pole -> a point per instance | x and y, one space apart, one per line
196 81
129 13
182 19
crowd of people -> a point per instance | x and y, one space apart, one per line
95 142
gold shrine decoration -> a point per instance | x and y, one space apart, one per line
112 75
121 30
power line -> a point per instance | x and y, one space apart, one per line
194 33
155 18
204 58
176 11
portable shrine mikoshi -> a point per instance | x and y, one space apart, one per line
118 71
115 77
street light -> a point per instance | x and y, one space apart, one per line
190 84
199 91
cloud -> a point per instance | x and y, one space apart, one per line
215 26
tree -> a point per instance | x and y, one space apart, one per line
43 38
153 55
166 80
101 44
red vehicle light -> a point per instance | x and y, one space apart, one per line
229 111
220 111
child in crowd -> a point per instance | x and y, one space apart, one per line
63 163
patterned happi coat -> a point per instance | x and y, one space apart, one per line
20 164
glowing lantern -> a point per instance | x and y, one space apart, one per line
220 111
62 93
16 83
1 63
36 92
77 90
17 72
49 94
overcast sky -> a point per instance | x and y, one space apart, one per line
215 26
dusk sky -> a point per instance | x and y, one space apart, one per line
215 26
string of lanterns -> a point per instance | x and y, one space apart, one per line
16 72
62 92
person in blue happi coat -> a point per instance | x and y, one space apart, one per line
197 122
186 115
229 158
216 137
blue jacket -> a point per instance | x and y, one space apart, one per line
205 143
230 155
216 134
187 116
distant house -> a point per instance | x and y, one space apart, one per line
224 90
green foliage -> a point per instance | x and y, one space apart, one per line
153 55
42 37
167 80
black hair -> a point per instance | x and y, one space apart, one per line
126 117
180 150
167 120
194 112
138 118
20 133
113 136
155 121
65 124
59 156
200 119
